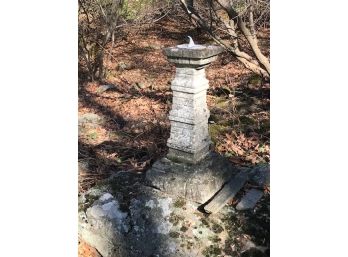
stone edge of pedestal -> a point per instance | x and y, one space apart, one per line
193 53
196 182
192 62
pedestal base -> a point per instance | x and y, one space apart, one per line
196 182
185 157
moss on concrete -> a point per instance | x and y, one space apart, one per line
183 228
175 219
174 234
214 239
205 222
215 130
212 251
179 203
216 228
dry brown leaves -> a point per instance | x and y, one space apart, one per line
241 146
85 250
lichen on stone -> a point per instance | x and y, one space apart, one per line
174 234
216 228
205 222
214 239
179 203
183 228
175 219
212 251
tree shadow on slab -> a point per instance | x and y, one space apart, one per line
136 222
249 231
157 224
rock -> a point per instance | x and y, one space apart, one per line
155 46
227 193
122 66
246 244
140 85
103 226
248 247
84 166
91 118
105 197
197 183
260 175
110 230
253 252
152 226
249 200
108 210
88 122
104 88
149 222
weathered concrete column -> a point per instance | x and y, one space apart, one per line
190 169
189 136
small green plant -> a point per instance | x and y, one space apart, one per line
93 135
216 130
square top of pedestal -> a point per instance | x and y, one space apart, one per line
201 52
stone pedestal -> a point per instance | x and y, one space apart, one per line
189 140
198 183
190 170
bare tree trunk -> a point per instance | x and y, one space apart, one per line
111 23
253 43
99 67
252 39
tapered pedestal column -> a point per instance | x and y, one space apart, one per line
190 170
189 140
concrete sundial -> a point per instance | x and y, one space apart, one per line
190 169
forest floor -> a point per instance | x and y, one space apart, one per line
130 125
